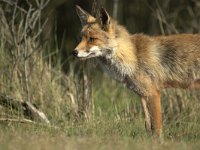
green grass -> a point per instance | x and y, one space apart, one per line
105 135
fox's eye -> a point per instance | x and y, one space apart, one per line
91 39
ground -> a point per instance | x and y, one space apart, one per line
88 136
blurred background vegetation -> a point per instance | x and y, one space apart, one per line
36 65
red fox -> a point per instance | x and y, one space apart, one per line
146 64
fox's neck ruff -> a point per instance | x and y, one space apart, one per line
122 60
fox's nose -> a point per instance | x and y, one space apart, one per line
75 52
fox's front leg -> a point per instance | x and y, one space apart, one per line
152 110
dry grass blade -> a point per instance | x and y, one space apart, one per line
26 121
5 27
94 8
16 120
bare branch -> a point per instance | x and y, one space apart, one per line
35 113
4 24
44 4
13 23
115 8
13 3
29 109
28 121
94 8
16 120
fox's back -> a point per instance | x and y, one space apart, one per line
184 46
169 58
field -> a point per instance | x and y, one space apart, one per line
31 137
87 110
116 123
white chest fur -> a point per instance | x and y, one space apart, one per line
116 69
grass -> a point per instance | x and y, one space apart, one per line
115 122
113 125
85 137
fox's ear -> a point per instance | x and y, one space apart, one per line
84 16
104 19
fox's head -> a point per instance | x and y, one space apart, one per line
97 35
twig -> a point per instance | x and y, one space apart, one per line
16 120
28 109
4 23
28 121
162 19
13 3
94 8
43 5
115 9
35 113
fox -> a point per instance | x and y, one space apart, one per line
145 64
